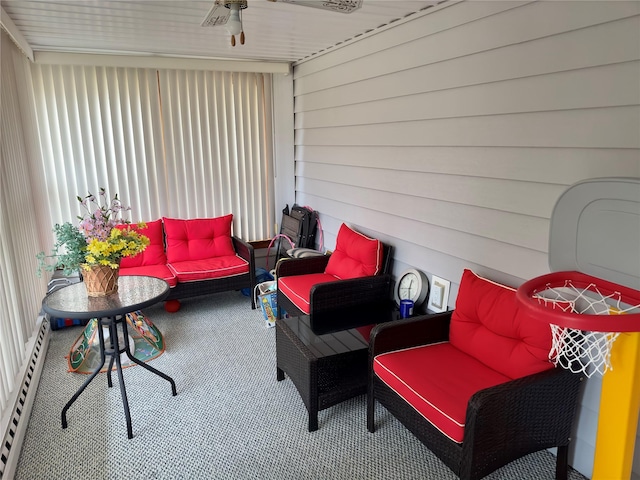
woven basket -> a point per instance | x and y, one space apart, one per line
100 280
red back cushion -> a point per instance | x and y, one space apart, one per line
198 238
356 255
489 324
154 253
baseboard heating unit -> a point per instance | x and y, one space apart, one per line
18 417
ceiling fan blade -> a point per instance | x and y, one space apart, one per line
342 6
218 15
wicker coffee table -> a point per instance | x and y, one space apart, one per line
326 368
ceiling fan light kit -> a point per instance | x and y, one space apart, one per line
234 24
342 6
229 12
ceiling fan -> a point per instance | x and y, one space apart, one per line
229 12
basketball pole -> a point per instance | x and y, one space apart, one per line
619 404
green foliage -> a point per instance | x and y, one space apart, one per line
69 251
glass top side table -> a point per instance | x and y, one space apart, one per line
134 293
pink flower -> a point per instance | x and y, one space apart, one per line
102 215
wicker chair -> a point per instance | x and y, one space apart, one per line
361 296
503 422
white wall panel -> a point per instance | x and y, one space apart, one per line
523 231
615 127
542 165
518 197
528 23
283 151
563 52
448 17
575 89
452 135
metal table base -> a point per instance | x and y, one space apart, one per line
113 351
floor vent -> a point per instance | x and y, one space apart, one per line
14 434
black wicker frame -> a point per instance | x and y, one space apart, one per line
224 284
357 294
321 381
503 423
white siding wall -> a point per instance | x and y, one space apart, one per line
452 135
283 169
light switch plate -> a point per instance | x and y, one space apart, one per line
439 294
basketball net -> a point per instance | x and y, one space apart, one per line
581 350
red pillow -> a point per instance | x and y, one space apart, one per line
154 253
489 324
198 238
356 255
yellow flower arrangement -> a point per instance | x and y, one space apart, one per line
101 238
120 243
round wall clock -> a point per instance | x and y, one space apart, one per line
412 285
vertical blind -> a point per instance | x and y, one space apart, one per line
175 143
20 290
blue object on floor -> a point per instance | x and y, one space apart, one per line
262 275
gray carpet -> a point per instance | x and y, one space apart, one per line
231 419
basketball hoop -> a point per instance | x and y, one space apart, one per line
575 306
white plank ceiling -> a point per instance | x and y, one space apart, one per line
278 32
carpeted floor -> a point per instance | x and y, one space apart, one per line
231 419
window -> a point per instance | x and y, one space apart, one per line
173 143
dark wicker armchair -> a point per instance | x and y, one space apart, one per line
503 422
360 295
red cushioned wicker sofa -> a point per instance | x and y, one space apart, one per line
475 385
195 257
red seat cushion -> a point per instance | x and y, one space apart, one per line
158 271
209 268
154 253
198 239
437 381
355 255
297 288
489 324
